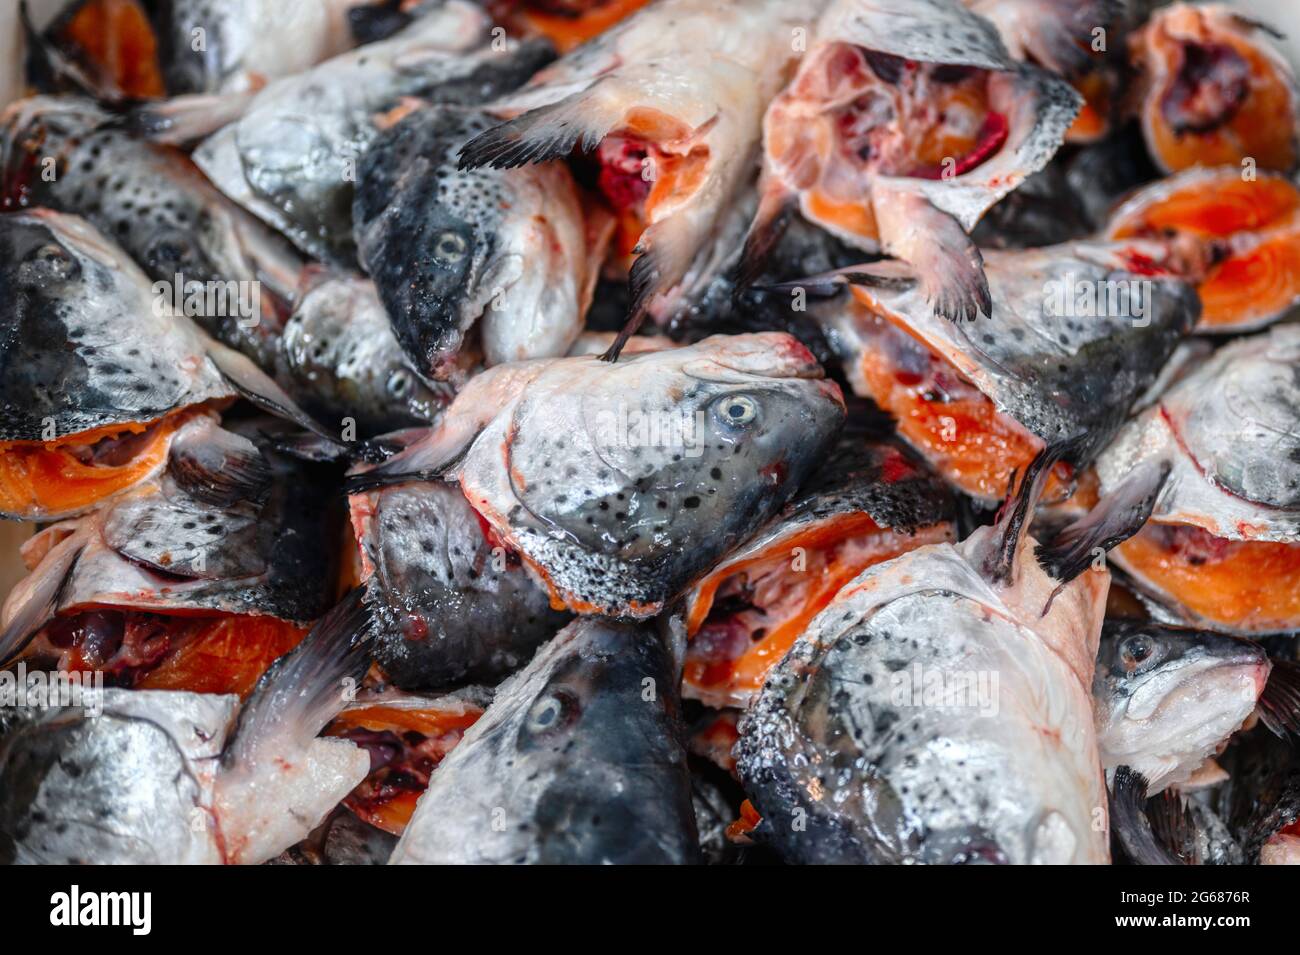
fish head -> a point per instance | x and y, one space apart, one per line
661 462
1166 697
344 361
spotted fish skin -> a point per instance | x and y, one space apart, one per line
622 484
578 760
450 249
161 547
85 346
151 201
450 607
291 158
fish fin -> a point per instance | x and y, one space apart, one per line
775 207
47 585
644 283
306 688
1118 517
183 119
1279 704
1055 34
255 385
1129 822
548 132
219 468
370 22
1251 23
1174 826
1017 510
946 260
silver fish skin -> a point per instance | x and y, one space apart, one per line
161 210
1059 368
291 158
578 760
130 786
172 777
621 484
342 361
505 254
702 100
231 46
1229 432
872 742
1167 698
450 608
1057 34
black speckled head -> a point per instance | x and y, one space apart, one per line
84 344
580 753
625 482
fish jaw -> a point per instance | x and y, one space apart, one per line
573 762
1177 708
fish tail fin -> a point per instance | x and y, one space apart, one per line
220 468
240 372
1279 704
1017 510
775 207
547 132
306 688
1117 518
1129 822
38 597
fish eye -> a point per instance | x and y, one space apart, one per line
399 383
450 247
1136 651
551 712
50 263
737 410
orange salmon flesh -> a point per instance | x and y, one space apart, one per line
1247 586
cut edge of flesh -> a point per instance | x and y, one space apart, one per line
803 143
830 553
1217 92
193 651
958 430
1245 587
46 480
386 798
1237 238
569 30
